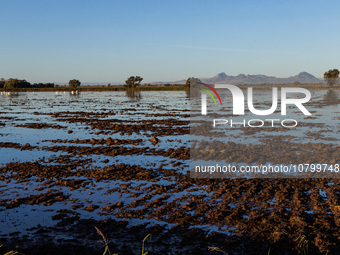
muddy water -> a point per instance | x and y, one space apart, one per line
292 143
118 160
34 123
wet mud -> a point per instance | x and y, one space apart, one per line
97 181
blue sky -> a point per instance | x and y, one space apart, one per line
108 41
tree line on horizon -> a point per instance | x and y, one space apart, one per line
16 83
131 82
331 77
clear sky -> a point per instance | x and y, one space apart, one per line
166 40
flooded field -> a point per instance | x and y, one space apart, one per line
121 161
303 144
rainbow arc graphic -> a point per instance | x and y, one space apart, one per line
210 94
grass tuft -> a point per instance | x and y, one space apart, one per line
107 250
303 243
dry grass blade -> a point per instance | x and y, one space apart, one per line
13 253
303 243
100 233
216 249
107 250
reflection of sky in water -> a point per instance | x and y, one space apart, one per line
327 116
321 127
22 108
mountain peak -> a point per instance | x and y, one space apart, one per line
241 75
219 77
302 77
305 75
222 75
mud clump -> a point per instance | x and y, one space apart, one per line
40 126
91 208
46 199
154 140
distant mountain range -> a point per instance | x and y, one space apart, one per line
302 77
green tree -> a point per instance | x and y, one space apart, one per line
133 81
16 83
332 77
74 83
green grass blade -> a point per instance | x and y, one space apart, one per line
145 253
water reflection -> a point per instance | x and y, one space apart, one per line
74 93
193 93
12 93
331 96
134 94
